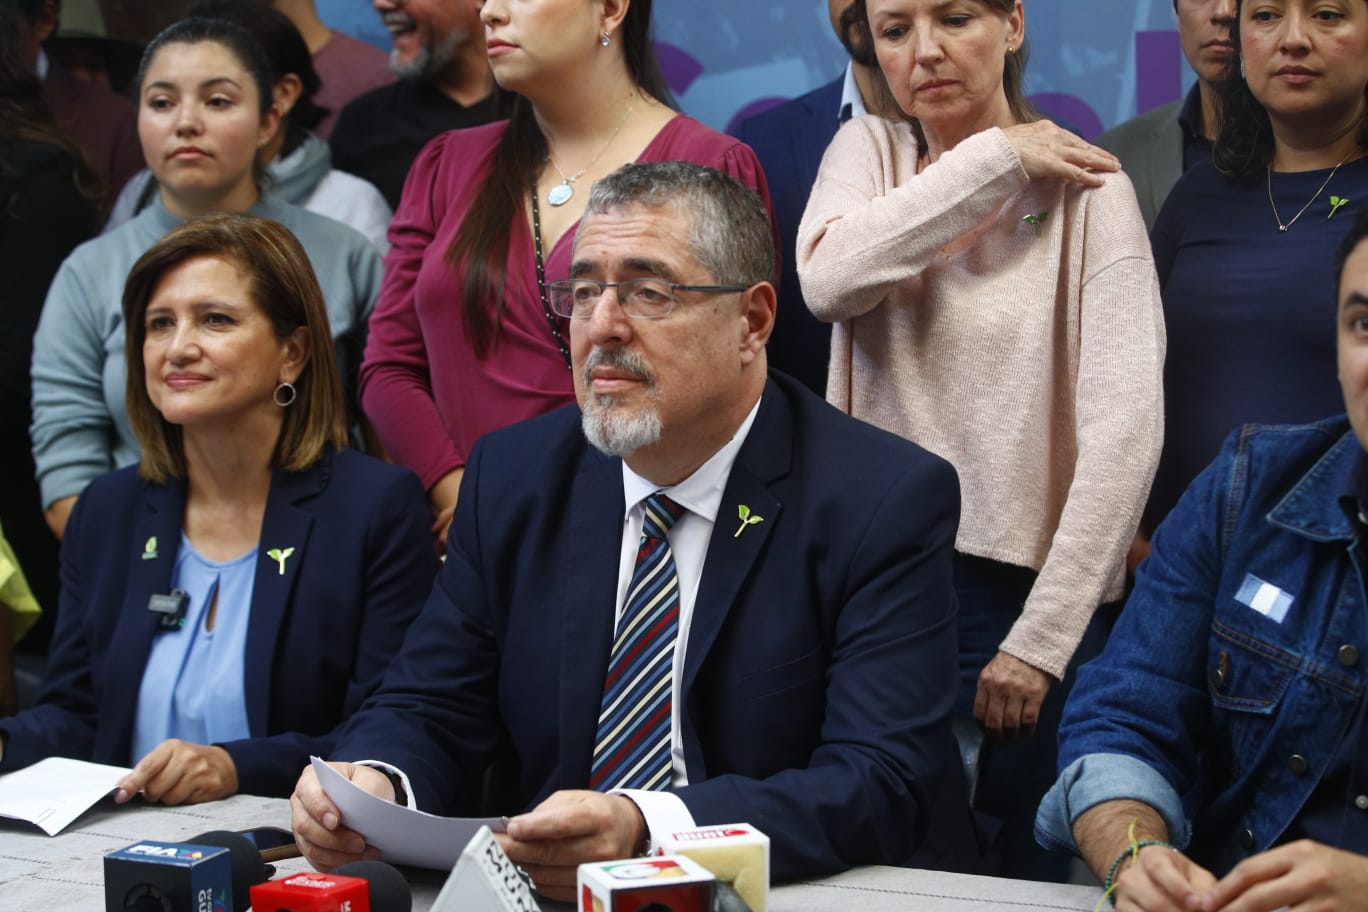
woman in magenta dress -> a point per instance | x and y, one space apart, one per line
463 340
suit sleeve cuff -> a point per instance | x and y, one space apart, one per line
1097 778
664 812
407 799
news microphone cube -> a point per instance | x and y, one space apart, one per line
662 884
169 877
736 853
312 892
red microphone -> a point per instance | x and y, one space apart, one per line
312 892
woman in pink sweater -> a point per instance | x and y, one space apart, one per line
995 301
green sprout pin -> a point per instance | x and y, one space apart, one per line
150 549
1036 219
1335 203
747 519
280 556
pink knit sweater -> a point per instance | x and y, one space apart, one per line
1014 328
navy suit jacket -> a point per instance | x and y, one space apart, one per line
821 663
318 641
790 140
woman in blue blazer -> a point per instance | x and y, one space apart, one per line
238 593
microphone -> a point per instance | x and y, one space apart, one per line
245 860
168 877
362 886
736 853
667 883
389 890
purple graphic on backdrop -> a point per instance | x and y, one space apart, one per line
678 66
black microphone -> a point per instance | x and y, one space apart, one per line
389 890
248 868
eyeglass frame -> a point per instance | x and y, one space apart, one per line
567 285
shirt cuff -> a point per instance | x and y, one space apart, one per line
410 801
664 812
1097 778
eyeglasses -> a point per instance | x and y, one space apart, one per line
646 298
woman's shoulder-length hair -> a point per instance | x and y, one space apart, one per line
281 281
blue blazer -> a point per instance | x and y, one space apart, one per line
821 662
790 140
318 641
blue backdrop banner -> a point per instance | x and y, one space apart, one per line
1093 63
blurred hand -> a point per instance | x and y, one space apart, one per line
1299 875
317 823
1161 880
1047 150
178 772
442 499
568 828
1009 696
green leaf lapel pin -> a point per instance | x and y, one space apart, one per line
280 556
150 549
1335 203
747 519
1036 219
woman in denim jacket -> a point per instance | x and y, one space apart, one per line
1226 716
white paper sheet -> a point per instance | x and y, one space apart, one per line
403 835
53 792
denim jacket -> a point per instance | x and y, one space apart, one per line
1234 672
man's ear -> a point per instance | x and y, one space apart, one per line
759 305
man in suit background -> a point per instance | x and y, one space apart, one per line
1158 146
789 141
807 581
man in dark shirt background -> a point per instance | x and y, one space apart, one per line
444 84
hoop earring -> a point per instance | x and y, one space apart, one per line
284 395
606 40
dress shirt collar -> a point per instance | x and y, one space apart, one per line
43 65
700 493
852 105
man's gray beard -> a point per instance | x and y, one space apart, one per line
614 433
430 60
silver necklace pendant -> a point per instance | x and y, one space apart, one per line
560 194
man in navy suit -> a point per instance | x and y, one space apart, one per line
813 671
789 140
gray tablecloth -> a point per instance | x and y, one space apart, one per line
39 873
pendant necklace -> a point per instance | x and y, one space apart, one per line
560 194
1282 228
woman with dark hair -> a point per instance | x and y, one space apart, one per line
205 110
995 302
463 339
298 164
48 203
1245 244
293 564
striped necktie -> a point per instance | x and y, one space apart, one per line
632 747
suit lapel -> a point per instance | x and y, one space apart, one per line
281 551
153 545
764 457
822 122
1165 160
594 509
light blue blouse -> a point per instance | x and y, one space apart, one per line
193 687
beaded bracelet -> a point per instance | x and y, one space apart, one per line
1131 851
